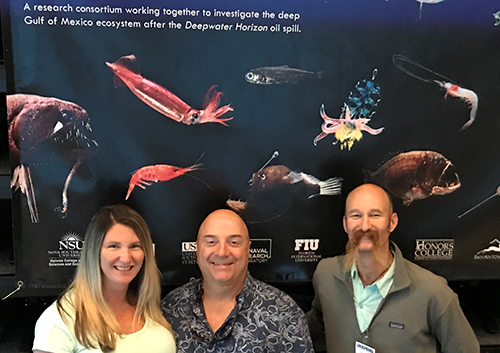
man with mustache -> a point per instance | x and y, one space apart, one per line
373 300
227 310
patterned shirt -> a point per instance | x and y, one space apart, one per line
264 319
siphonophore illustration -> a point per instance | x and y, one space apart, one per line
355 115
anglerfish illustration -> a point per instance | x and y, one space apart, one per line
274 188
39 124
416 175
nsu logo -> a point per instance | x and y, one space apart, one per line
306 244
71 241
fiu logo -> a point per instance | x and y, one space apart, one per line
71 241
306 244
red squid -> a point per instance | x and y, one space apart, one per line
162 100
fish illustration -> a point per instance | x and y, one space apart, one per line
271 75
37 123
416 175
162 100
273 189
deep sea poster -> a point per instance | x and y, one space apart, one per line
275 109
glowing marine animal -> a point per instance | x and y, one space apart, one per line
466 95
496 16
150 174
164 101
427 2
347 129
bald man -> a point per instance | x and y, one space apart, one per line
373 300
227 310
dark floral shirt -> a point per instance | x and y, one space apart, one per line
264 319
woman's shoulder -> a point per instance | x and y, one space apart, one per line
51 332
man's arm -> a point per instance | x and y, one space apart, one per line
316 325
294 330
453 331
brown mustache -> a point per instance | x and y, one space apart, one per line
370 234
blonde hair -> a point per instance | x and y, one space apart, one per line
95 323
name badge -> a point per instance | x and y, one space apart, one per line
363 348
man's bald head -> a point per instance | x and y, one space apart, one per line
374 190
223 217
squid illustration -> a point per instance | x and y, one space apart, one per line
162 100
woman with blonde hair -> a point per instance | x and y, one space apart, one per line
113 304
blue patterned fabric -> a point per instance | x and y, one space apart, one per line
264 320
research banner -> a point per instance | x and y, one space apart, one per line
274 109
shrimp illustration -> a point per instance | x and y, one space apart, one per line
427 75
465 94
150 174
165 102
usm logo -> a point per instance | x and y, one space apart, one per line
188 246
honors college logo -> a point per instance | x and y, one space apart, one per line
306 250
68 251
491 252
434 249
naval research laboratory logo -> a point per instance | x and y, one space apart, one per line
260 251
491 252
306 250
68 251
434 249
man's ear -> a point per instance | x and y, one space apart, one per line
344 221
393 222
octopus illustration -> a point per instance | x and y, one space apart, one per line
39 124
355 115
162 100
